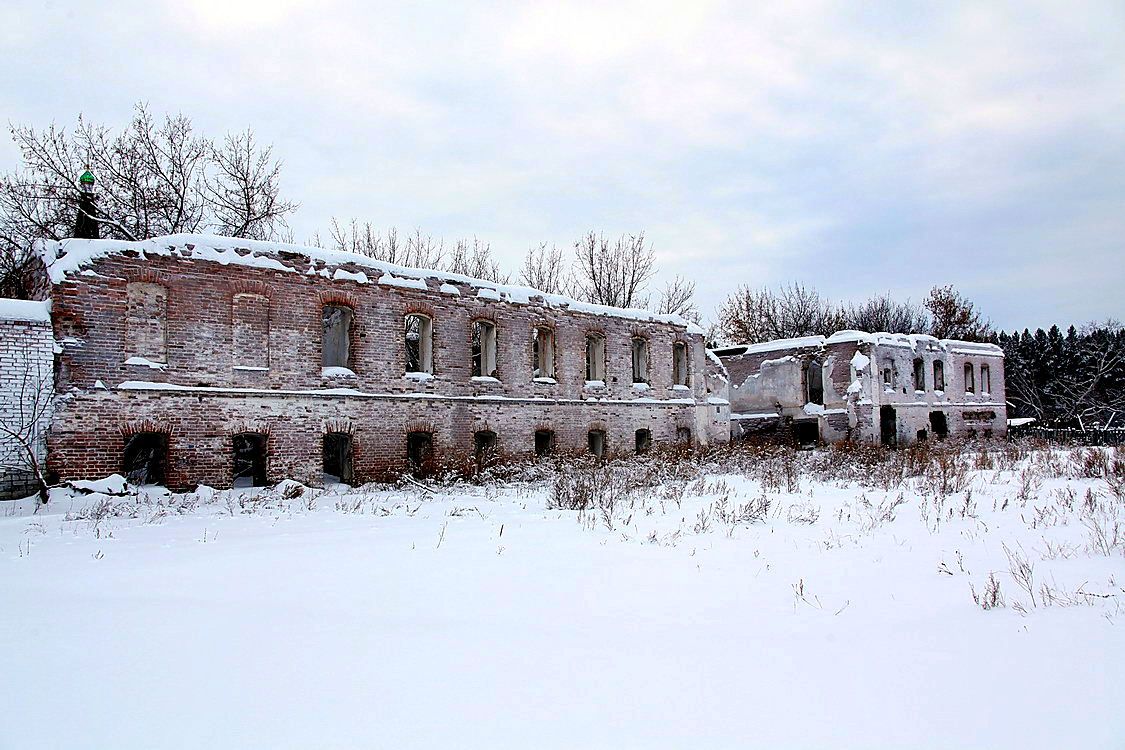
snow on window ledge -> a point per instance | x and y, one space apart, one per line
595 384
485 379
336 372
249 368
640 386
680 387
547 381
142 362
419 376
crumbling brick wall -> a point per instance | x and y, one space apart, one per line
242 348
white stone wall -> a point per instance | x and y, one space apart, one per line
26 391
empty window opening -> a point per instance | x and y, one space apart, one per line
939 375
544 442
336 344
543 353
814 380
679 363
249 460
146 321
484 349
338 458
640 360
888 377
420 453
888 426
807 433
985 379
919 375
484 447
595 358
939 425
683 435
419 340
596 442
970 385
643 440
145 458
250 330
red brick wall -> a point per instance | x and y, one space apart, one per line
206 305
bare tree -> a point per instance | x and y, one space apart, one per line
954 317
153 178
678 298
752 315
245 189
613 273
543 269
885 313
474 258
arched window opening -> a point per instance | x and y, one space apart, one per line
985 379
337 454
544 442
643 440
249 460
595 440
146 321
543 353
679 363
595 358
919 375
484 447
888 377
939 375
484 349
814 381
145 458
640 359
419 341
250 331
420 453
970 385
336 341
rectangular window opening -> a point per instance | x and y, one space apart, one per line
543 353
640 359
419 342
336 341
484 349
680 363
595 358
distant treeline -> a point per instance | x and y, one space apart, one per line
1073 379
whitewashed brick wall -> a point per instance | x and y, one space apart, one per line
26 390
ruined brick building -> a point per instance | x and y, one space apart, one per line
190 359
867 387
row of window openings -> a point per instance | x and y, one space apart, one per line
147 314
814 379
145 455
418 341
939 377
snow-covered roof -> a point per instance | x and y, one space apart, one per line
25 310
905 340
65 258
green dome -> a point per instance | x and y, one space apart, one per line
87 178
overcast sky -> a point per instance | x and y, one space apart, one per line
855 147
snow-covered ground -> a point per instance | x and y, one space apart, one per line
684 612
